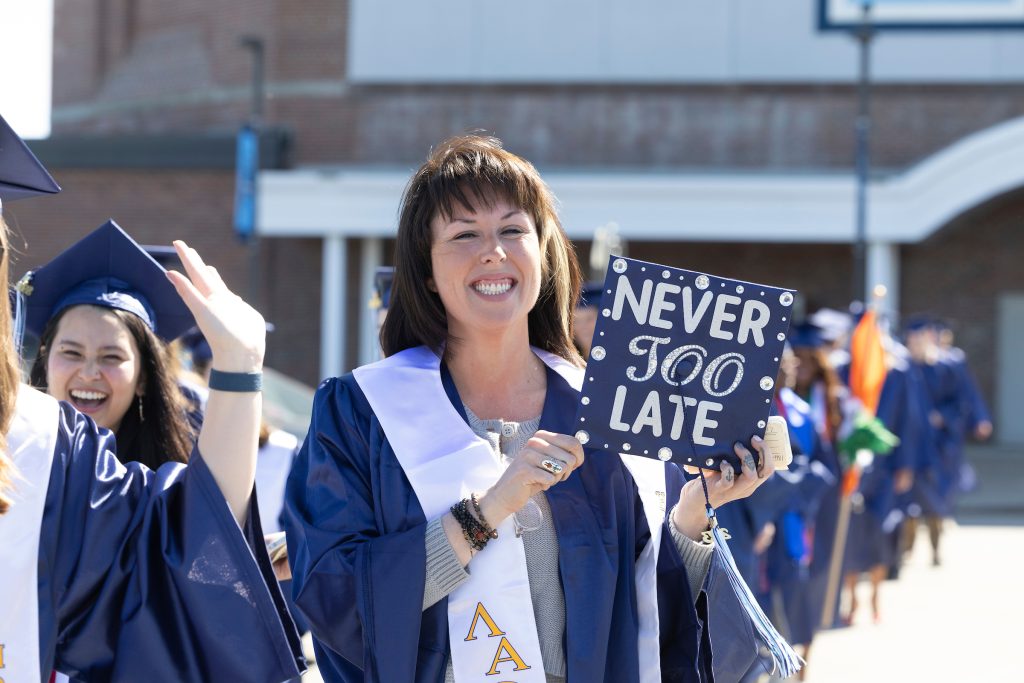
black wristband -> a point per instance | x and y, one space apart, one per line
242 382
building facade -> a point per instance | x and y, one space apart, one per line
718 136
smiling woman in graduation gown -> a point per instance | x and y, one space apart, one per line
114 572
362 543
365 494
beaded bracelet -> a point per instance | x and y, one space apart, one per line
473 535
474 532
488 529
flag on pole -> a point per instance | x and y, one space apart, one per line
867 362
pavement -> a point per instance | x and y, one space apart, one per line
960 622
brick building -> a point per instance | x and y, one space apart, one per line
719 136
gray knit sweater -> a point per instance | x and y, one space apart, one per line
445 573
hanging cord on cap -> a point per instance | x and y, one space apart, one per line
706 538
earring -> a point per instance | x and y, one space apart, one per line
142 416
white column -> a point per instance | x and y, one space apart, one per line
332 306
372 256
883 268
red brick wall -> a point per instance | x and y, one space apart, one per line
156 207
174 66
152 66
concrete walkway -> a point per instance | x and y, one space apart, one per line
958 623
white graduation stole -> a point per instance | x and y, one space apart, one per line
491 624
31 441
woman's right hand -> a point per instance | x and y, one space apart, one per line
235 331
526 475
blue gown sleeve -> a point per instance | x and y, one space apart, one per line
894 405
146 576
974 406
358 581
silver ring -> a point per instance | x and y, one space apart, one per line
552 466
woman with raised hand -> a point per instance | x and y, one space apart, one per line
115 572
442 523
104 313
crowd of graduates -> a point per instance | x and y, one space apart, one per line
878 423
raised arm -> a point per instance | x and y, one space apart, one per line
237 336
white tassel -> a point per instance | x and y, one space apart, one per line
19 320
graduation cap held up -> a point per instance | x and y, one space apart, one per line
683 364
106 268
682 367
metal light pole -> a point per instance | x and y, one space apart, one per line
248 168
864 38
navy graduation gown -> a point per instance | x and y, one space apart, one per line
868 544
356 540
145 575
936 472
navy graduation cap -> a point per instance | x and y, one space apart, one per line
106 268
21 174
806 335
590 295
683 364
383 280
166 256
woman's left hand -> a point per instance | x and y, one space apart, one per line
725 485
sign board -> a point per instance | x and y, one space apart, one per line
247 164
922 14
683 364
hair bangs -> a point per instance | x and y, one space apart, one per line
472 173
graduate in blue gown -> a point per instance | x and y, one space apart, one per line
871 543
114 572
788 559
105 314
939 448
483 270
973 419
819 385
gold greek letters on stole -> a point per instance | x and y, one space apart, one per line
504 646
481 612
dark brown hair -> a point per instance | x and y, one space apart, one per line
10 376
460 171
164 434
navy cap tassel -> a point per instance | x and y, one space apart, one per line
787 661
